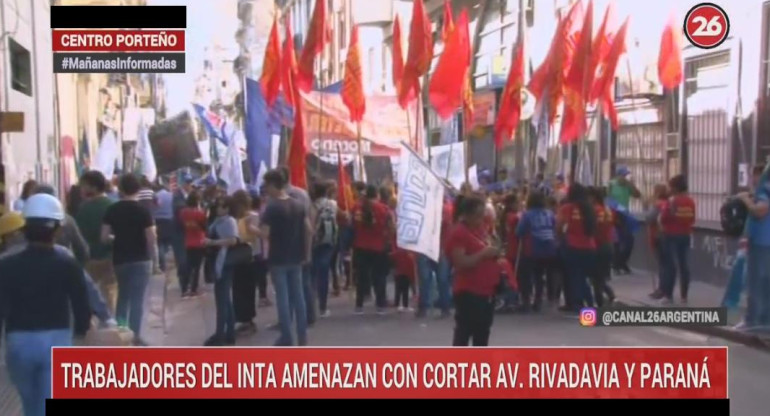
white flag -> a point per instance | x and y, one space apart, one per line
148 168
543 129
585 172
107 155
232 167
449 162
420 202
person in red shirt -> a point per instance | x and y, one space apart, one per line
576 221
654 236
677 220
405 274
194 220
604 243
478 270
373 228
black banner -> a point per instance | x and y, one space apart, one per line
174 144
118 17
593 407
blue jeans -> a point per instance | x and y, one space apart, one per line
579 265
676 248
96 300
223 299
28 356
426 269
758 286
132 286
309 289
289 300
322 263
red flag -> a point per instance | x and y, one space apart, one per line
576 90
509 115
398 54
288 66
553 71
420 54
317 36
670 58
297 148
600 48
353 84
345 200
606 77
449 22
271 75
447 83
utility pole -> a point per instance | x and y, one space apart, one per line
522 130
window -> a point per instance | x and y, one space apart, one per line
696 66
21 68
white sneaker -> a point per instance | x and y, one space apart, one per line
358 311
666 302
401 309
326 314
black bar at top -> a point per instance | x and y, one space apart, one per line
118 17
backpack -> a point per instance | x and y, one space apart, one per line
326 230
733 217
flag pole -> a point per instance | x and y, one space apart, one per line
636 133
320 117
360 151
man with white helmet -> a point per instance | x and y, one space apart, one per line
42 292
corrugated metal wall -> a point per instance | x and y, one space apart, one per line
709 163
647 169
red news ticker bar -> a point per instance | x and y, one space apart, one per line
339 373
118 41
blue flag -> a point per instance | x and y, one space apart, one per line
211 122
631 223
260 125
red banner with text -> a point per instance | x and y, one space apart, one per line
536 373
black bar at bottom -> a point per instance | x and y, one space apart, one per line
593 407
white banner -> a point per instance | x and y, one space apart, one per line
448 161
232 167
107 155
420 202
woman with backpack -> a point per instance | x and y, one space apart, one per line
325 239
536 231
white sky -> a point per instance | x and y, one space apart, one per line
208 22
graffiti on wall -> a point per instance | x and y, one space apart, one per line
716 248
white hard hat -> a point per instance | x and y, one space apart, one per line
43 206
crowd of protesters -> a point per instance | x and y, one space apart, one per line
522 249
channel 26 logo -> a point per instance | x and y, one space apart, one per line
706 25
588 317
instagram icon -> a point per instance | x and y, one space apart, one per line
588 317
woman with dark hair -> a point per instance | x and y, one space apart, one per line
244 276
475 260
194 220
222 234
537 232
576 221
604 244
373 228
27 190
677 220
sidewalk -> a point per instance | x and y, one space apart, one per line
634 290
